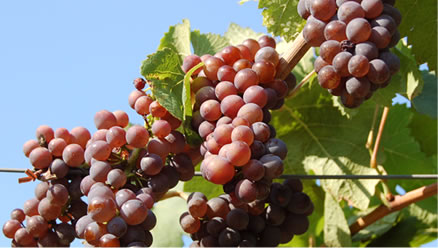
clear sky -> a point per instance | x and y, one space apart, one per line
62 61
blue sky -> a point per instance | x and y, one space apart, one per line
62 61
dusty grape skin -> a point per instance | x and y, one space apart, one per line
313 32
328 78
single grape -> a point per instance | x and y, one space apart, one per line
313 32
57 194
189 62
218 170
137 136
133 212
244 52
10 228
230 54
322 9
335 30
380 36
252 45
116 136
44 132
319 64
80 136
244 79
231 105
391 60
367 49
104 119
246 191
237 219
157 110
358 30
40 157
340 63
73 155
358 65
226 73
48 210
328 78
378 72
242 64
350 10
102 209
224 89
357 87
222 134
211 67
266 41
273 166
139 83
211 110
122 118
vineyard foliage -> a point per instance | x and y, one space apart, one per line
322 136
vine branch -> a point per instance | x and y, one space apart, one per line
294 52
399 202
373 162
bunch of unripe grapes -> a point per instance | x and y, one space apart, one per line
234 92
121 169
354 37
270 220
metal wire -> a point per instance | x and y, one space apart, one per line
414 176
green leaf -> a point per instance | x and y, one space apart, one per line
207 43
376 229
319 138
402 152
163 69
358 192
281 18
424 130
417 226
316 219
192 137
420 25
236 34
178 39
426 102
199 184
336 230
168 232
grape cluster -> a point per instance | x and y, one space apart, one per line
234 93
121 169
269 221
354 37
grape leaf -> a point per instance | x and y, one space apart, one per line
319 138
199 184
376 229
417 226
316 219
336 230
168 232
426 102
163 70
402 151
281 18
207 43
178 39
420 25
236 34
424 130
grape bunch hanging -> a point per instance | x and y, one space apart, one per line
122 170
354 37
234 93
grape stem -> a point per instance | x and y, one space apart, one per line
370 139
373 161
172 193
294 52
399 202
293 92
